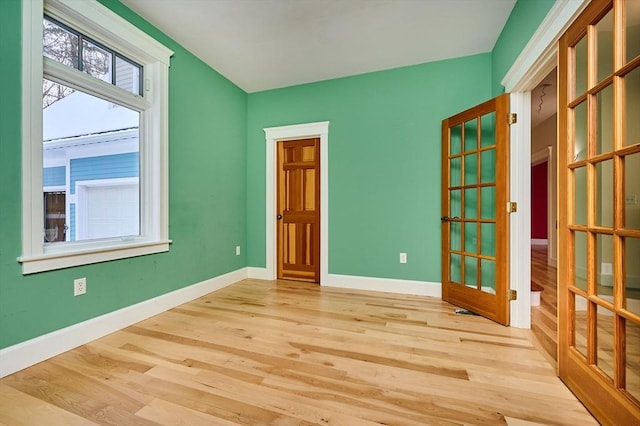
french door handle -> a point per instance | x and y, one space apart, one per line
444 219
279 217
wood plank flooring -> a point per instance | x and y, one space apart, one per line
287 353
544 318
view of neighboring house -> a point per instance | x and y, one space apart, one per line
90 169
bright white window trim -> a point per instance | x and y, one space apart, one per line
98 22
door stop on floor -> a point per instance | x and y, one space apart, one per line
465 312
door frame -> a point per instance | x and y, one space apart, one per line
273 135
537 59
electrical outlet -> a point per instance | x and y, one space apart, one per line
79 286
631 199
605 269
237 250
403 257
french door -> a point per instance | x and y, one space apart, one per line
599 210
475 222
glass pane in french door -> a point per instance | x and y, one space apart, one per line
472 200
599 270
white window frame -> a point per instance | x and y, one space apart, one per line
98 22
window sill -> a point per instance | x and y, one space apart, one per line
67 259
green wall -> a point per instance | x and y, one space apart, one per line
384 174
207 178
524 20
384 161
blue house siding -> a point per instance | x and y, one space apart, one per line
72 221
104 167
54 176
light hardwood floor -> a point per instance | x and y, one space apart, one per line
287 353
544 318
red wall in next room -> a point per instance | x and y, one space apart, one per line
539 201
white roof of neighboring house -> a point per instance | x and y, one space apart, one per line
80 114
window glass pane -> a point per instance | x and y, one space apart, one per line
488 276
455 236
633 29
455 200
455 178
632 344
456 140
580 325
471 203
471 272
604 193
128 76
488 135
59 44
471 237
97 143
96 61
632 274
488 166
604 121
488 243
580 138
604 30
604 266
455 268
580 188
632 107
604 340
470 169
580 260
471 135
488 200
580 61
632 191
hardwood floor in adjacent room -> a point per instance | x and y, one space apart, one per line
287 353
544 318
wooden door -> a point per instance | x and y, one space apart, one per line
599 210
475 222
298 217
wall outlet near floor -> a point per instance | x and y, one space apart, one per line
237 250
631 199
605 269
403 257
79 286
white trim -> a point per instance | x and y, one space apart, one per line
94 19
20 356
539 241
388 285
257 273
296 131
520 222
538 57
535 62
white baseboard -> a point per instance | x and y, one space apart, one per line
552 261
257 273
539 242
20 356
388 285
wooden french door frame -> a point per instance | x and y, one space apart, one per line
272 136
475 221
598 327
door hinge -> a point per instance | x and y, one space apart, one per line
512 118
512 295
512 207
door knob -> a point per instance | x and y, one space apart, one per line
279 217
444 218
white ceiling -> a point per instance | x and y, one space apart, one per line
267 44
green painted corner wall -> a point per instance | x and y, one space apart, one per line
207 179
523 22
384 161
384 174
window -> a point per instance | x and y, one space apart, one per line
94 137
